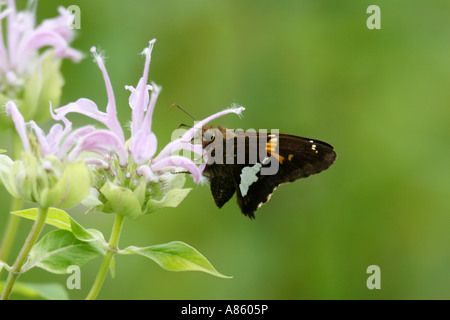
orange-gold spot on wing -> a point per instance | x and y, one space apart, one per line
271 147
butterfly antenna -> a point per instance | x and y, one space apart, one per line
184 125
175 105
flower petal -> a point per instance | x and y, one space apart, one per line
142 146
178 145
185 140
72 138
102 142
179 161
84 106
112 121
47 143
139 97
199 125
19 123
42 38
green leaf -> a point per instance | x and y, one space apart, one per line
121 201
62 220
176 256
172 199
60 249
48 291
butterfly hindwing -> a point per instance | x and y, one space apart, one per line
297 158
222 187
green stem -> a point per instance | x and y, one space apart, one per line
12 226
113 247
13 222
23 254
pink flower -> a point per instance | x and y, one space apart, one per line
58 142
19 54
141 148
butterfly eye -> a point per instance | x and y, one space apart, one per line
208 135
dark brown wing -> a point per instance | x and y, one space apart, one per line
302 157
254 178
297 158
222 182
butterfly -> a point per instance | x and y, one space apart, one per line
253 164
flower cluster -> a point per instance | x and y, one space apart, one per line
42 174
129 168
30 59
96 165
128 178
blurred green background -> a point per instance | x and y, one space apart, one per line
309 68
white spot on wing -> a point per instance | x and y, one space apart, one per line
248 177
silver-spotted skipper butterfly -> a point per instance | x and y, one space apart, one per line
253 164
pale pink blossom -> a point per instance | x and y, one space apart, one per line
142 145
22 43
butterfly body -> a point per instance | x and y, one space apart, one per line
253 164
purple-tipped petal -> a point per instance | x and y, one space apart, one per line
19 123
112 122
70 53
84 106
179 161
100 163
59 24
189 135
49 143
137 109
185 140
147 123
139 98
177 145
146 172
43 38
73 138
24 39
102 142
142 146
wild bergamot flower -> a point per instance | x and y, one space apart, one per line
30 59
43 174
129 179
